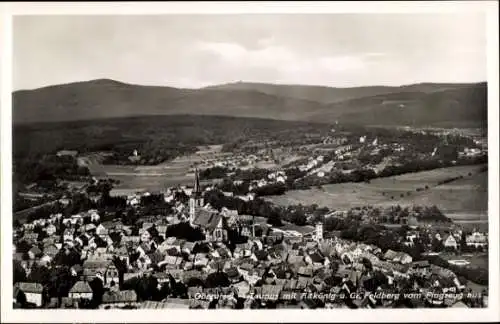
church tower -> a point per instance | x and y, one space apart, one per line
196 199
319 232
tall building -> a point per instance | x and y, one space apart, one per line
196 199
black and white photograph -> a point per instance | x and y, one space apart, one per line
302 162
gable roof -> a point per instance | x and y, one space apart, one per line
101 264
295 259
450 238
272 292
35 250
123 296
305 271
30 287
261 254
173 260
190 274
188 245
316 257
207 219
418 264
390 254
81 287
50 249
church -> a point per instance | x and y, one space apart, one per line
213 225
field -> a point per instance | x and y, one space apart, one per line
152 178
462 200
476 259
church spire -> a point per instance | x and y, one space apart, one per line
196 189
196 199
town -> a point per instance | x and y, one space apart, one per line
82 242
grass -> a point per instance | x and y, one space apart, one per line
467 196
154 178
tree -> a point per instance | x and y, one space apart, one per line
39 274
23 246
274 219
67 258
21 299
163 292
19 275
217 279
61 282
367 264
97 287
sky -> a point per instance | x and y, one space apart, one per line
191 51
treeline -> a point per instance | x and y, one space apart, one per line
214 173
250 174
472 273
307 182
273 189
20 203
366 174
45 170
155 137
149 153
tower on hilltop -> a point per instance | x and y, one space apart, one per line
196 199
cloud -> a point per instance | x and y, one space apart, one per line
282 62
193 50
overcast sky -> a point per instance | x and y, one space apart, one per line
340 50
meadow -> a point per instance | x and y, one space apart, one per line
462 200
152 178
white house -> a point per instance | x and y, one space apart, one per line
50 230
476 239
450 242
33 292
281 178
145 236
94 216
134 201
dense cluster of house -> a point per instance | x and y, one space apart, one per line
273 269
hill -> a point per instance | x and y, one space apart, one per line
111 99
320 94
458 107
424 104
328 95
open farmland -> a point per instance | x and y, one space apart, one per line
153 178
462 200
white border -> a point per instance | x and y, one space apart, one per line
378 315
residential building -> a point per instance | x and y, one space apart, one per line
450 242
33 292
81 290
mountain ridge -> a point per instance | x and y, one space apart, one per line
107 98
